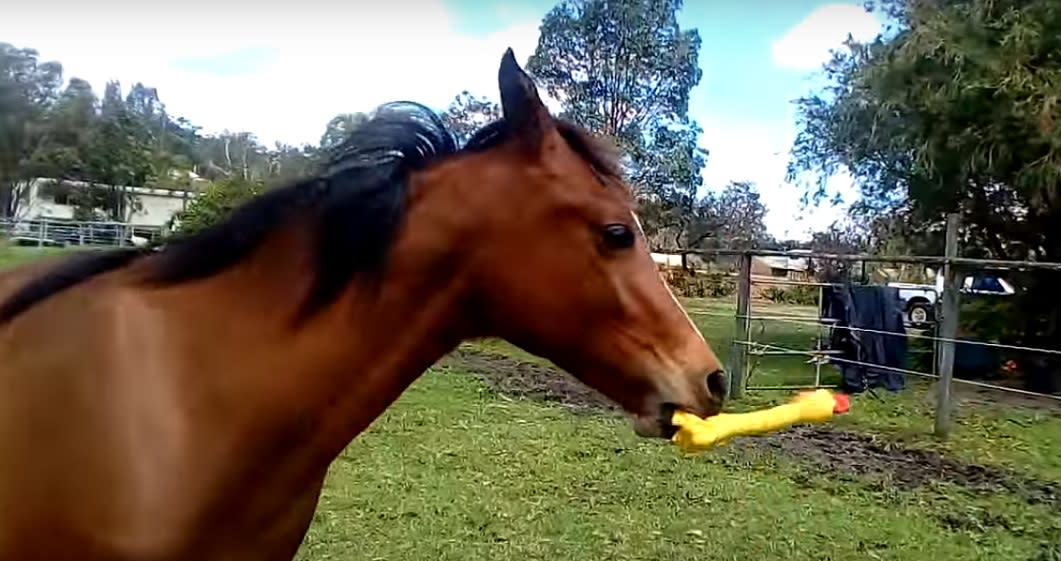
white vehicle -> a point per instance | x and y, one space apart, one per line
919 300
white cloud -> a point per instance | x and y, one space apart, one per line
746 151
313 59
807 45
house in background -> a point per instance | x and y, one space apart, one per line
156 206
790 268
667 259
45 216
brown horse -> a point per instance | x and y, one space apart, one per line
185 402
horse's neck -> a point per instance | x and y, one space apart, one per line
321 383
396 338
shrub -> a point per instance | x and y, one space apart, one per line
982 318
700 285
795 295
989 318
215 203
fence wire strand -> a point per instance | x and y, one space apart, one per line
821 356
805 320
793 319
827 359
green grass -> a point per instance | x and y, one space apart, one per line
1023 439
454 472
11 255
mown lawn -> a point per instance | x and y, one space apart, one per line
1026 439
455 471
11 255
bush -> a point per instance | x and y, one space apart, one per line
987 319
700 285
215 203
795 295
990 318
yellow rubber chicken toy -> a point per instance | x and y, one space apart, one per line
697 435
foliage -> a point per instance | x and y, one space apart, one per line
796 295
27 87
700 285
468 113
112 143
215 202
739 215
989 318
624 69
837 239
731 219
340 127
117 155
630 82
954 109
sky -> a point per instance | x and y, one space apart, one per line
283 69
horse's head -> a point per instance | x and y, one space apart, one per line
561 267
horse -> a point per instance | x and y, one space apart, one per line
185 400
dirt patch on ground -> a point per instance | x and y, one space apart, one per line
831 452
515 378
845 453
986 396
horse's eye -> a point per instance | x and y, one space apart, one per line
618 236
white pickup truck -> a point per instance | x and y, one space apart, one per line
919 300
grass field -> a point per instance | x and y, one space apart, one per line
456 470
11 256
491 456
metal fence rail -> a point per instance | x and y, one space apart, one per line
50 232
943 334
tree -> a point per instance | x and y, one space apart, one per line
118 156
741 215
64 130
146 108
288 163
28 88
234 155
955 109
340 127
111 142
731 219
468 113
624 69
839 238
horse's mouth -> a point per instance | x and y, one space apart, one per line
656 425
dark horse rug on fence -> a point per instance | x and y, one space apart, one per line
866 359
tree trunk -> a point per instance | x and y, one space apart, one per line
6 200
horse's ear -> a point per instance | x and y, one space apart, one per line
527 116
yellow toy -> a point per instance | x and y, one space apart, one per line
697 435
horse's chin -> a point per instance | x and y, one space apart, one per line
653 426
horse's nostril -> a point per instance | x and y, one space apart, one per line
716 385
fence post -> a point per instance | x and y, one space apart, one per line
951 302
739 354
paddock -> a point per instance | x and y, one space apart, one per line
495 454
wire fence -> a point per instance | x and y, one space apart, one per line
50 232
939 335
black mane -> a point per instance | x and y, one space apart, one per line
355 201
